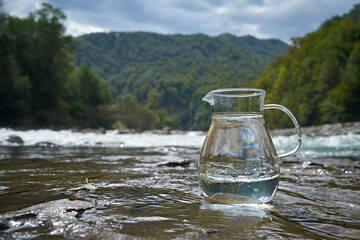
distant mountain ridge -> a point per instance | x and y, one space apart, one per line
130 44
173 72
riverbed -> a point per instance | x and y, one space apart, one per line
147 188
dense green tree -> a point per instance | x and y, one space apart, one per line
39 83
343 101
14 87
319 77
86 92
42 55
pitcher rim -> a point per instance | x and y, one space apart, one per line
252 92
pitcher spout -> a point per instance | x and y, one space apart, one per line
236 100
209 97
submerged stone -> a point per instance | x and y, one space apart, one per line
15 139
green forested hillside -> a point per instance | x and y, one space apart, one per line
169 74
319 77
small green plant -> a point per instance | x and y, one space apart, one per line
89 186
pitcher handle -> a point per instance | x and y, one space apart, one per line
298 130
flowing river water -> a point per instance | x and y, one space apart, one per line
147 188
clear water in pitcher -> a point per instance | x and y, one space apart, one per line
239 190
238 163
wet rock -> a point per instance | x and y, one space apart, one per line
25 216
100 130
212 231
334 168
176 131
4 226
3 188
166 130
57 206
79 189
45 214
208 233
15 139
126 130
183 163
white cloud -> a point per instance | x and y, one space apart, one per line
21 8
76 28
261 18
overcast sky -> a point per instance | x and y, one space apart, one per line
281 19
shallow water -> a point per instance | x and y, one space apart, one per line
140 196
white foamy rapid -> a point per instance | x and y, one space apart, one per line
347 145
313 147
109 139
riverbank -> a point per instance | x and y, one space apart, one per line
312 131
321 130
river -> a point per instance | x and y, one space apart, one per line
147 188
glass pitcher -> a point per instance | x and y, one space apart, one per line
238 162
